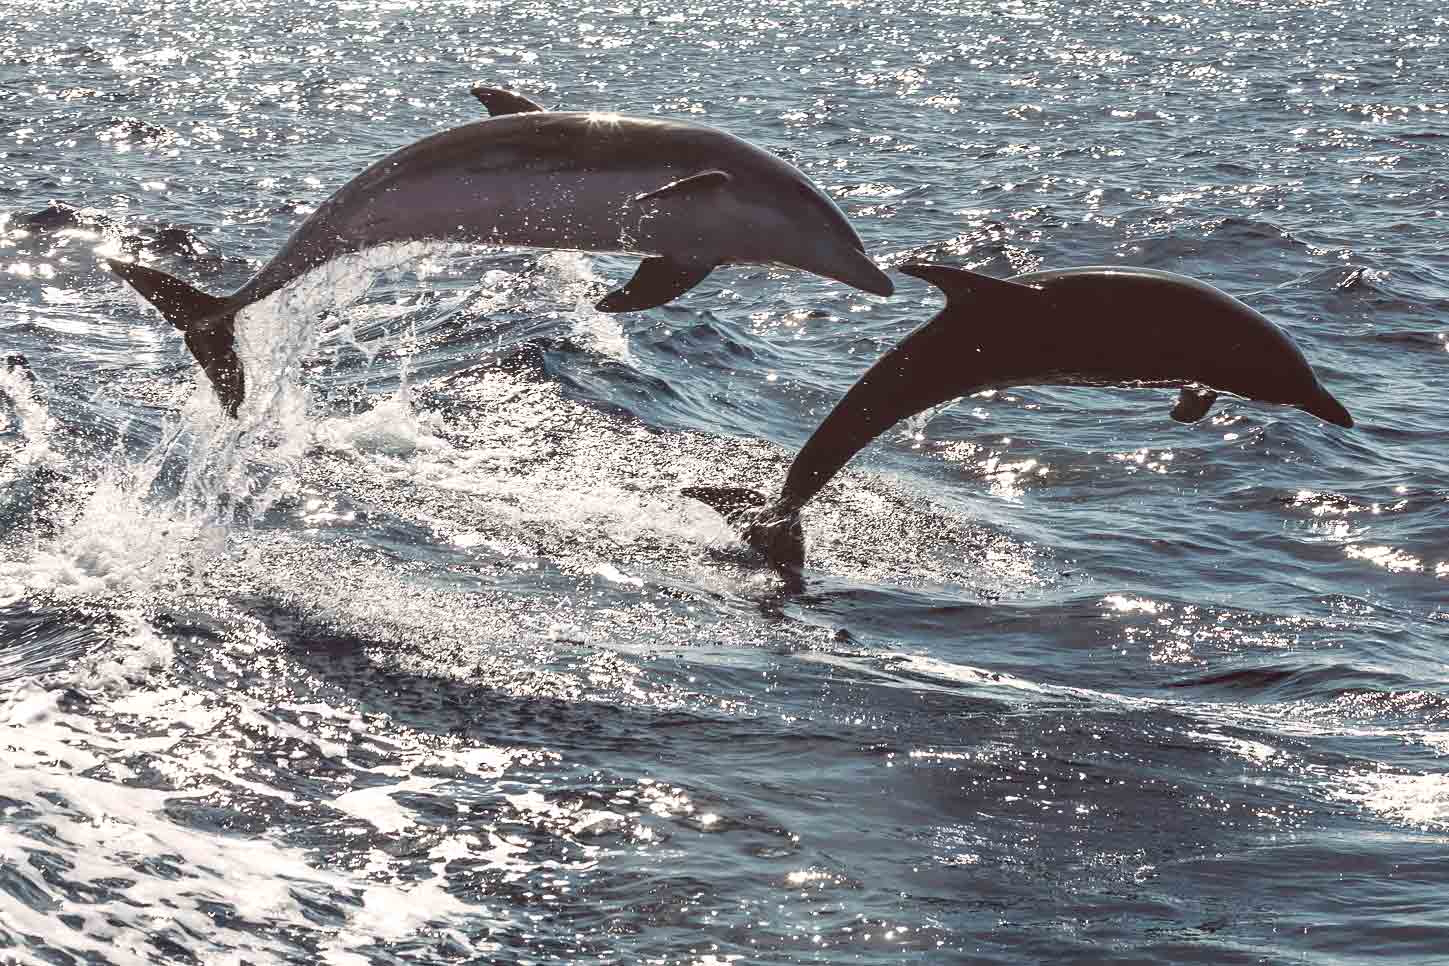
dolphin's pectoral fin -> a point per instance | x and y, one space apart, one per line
500 102
658 280
695 182
1193 404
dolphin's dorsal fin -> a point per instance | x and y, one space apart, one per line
499 102
958 283
696 182
658 280
1193 403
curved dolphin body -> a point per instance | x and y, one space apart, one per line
1077 326
688 197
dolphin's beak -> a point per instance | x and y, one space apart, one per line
862 273
1328 409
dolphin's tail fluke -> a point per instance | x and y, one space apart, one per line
772 530
728 501
206 321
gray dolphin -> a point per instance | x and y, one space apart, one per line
1078 327
686 196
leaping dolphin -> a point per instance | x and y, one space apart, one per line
686 196
1075 326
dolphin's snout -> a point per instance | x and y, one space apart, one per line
880 284
864 274
1328 409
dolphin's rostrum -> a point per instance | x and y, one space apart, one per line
686 196
1079 326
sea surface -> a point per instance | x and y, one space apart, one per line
425 659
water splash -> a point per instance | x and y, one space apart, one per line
110 850
165 516
170 514
28 419
571 276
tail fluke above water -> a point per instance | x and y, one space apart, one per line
205 320
771 530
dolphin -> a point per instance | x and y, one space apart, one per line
686 196
1095 326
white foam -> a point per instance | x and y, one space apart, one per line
572 276
118 541
1010 687
1418 800
54 767
564 494
128 661
376 806
129 537
31 419
102 828
391 428
616 576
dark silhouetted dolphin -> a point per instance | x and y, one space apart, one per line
1076 326
688 197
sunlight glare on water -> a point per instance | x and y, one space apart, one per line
425 657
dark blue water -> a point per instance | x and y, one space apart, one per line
427 661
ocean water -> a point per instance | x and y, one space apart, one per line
426 660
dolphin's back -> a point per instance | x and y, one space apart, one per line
1141 325
566 140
